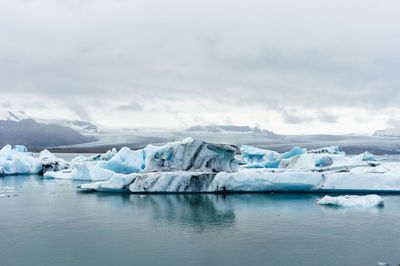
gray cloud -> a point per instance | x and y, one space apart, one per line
327 118
133 106
293 117
309 54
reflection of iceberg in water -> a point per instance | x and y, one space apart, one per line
197 212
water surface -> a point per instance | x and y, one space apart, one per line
46 222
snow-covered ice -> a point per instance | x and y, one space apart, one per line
18 161
117 183
109 154
81 172
352 201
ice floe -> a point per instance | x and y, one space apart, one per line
352 201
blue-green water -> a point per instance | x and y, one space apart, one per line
46 222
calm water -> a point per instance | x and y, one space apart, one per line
46 222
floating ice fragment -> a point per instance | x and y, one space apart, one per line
352 201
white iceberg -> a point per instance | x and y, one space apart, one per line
18 161
82 172
252 180
117 183
326 162
109 154
352 201
197 166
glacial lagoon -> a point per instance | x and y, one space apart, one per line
47 222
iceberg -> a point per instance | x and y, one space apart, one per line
255 155
117 183
366 156
328 150
18 161
326 162
20 148
254 180
270 159
179 181
352 201
82 172
198 166
51 163
193 155
127 161
109 154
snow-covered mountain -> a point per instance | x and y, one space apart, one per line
232 129
18 128
83 127
387 133
7 115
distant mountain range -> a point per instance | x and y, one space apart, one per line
231 128
83 136
387 133
17 128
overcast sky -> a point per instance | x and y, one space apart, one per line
287 66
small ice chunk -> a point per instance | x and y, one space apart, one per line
324 161
116 183
82 172
79 159
366 157
20 148
352 201
109 154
